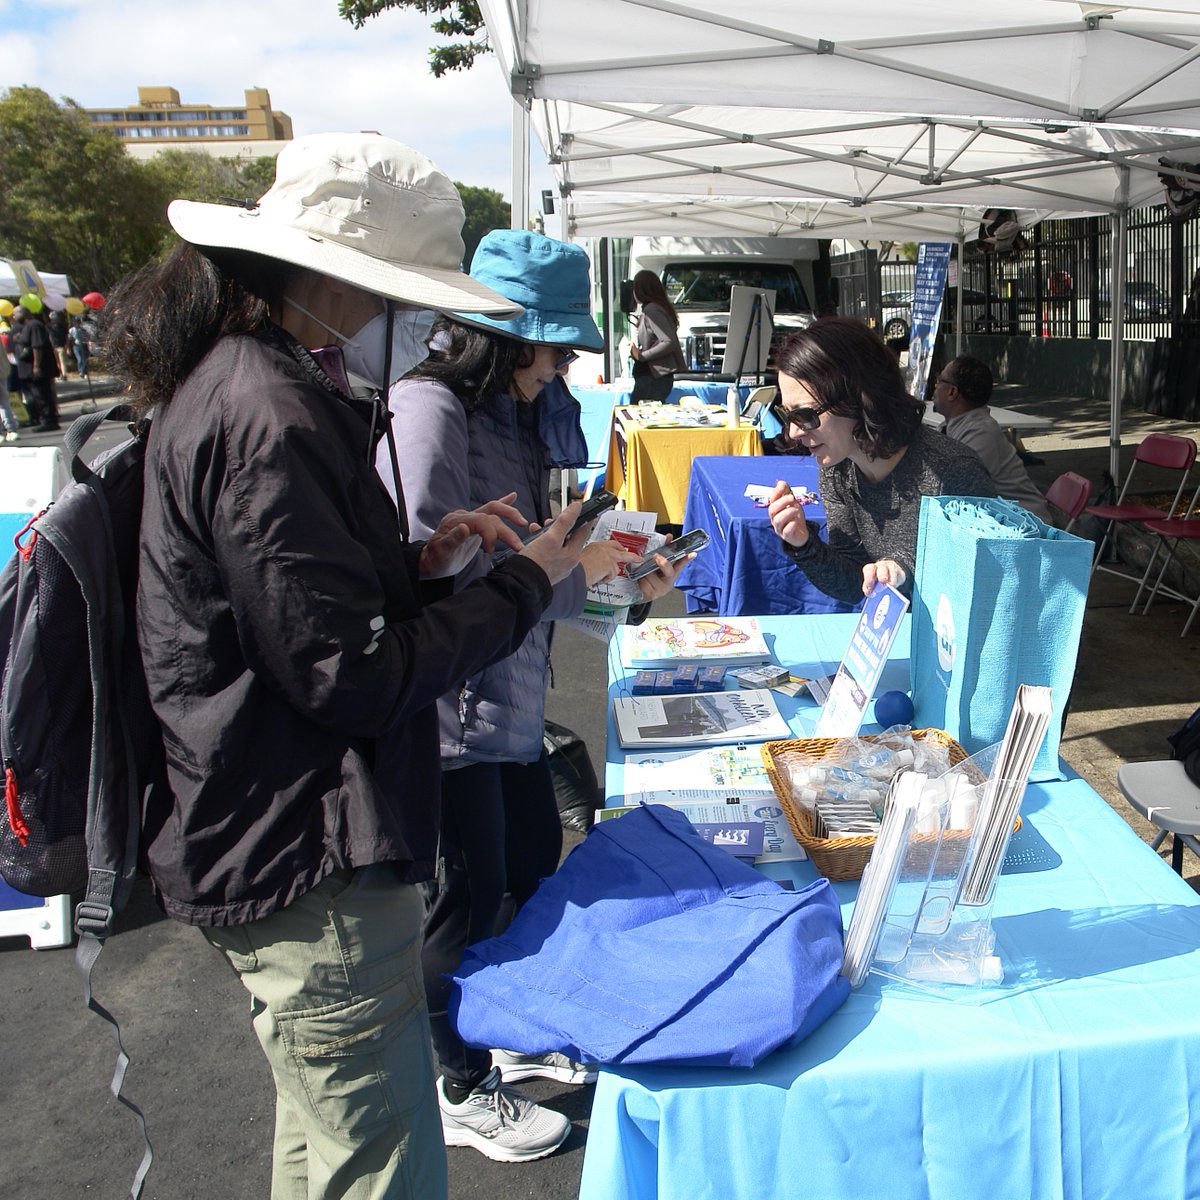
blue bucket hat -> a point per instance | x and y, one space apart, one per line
548 278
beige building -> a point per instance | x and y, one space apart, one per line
159 117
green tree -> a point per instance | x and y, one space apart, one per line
486 210
463 20
194 175
74 202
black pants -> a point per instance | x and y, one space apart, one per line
651 387
41 393
501 832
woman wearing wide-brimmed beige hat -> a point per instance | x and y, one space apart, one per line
291 654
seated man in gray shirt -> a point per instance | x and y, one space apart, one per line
960 394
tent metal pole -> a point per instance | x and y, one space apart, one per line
1118 268
520 165
958 302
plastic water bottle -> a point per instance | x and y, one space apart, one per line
733 406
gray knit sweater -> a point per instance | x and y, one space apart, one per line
869 521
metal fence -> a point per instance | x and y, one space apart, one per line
1059 283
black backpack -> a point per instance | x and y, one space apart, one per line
80 743
1185 746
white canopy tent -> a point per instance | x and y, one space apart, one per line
11 288
870 113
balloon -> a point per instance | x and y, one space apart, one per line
93 300
6 308
54 301
893 708
74 305
31 303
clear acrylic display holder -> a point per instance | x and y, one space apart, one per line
936 938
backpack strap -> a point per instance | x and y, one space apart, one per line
81 429
86 953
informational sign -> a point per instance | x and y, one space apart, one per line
751 324
28 280
866 656
933 262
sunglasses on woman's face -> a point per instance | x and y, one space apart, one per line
804 419
565 359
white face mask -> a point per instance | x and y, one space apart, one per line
363 354
365 351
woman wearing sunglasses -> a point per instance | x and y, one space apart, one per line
842 397
480 413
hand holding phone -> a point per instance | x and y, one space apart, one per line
681 547
597 503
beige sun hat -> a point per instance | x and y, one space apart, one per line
360 208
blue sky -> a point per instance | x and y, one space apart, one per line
322 72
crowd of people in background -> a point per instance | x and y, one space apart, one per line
39 348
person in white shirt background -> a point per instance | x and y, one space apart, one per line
960 394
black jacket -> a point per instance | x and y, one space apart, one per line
292 660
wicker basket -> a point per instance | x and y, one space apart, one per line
835 858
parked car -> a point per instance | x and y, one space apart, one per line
897 314
1144 301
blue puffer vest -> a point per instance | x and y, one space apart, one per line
498 715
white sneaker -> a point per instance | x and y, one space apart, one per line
11 436
501 1123
514 1066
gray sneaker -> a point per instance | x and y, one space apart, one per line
501 1123
559 1067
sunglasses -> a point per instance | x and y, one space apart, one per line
805 419
565 359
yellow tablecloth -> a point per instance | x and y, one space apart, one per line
652 473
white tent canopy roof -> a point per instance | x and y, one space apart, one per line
636 215
941 105
1132 64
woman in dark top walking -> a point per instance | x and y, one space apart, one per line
656 352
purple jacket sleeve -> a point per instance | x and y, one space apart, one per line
433 451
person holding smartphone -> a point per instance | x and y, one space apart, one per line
842 396
295 640
476 415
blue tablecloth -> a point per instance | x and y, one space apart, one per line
1083 1084
743 570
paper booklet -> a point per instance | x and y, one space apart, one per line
701 719
743 839
714 773
1001 801
607 604
779 843
668 641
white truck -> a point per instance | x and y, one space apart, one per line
698 273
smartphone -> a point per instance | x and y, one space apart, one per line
689 543
597 503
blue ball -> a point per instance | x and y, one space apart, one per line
894 708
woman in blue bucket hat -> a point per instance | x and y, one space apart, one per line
475 418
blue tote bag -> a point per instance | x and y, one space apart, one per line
998 601
651 946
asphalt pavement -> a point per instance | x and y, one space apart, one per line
196 1068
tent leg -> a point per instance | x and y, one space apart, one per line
520 166
1116 289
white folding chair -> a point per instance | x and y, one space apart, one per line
1162 792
